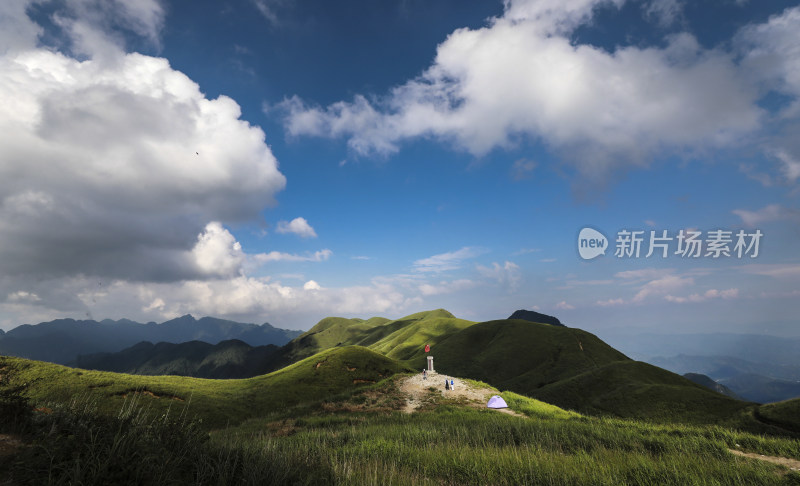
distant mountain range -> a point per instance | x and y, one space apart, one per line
62 340
710 384
227 359
757 382
755 348
725 367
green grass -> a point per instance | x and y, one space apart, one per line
461 446
638 390
785 414
350 434
408 344
536 408
521 355
401 339
216 402
567 367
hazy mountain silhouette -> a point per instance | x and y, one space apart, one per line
227 359
62 340
762 389
534 316
707 382
757 382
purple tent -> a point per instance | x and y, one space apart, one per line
497 402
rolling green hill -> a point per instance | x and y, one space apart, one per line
564 366
638 390
216 402
398 339
520 355
784 414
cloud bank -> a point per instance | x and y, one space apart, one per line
523 76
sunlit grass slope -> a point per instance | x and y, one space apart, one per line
639 390
521 355
402 339
452 445
567 367
216 402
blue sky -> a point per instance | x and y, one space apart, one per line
267 160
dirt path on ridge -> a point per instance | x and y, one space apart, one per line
416 389
792 464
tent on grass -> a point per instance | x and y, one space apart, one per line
497 402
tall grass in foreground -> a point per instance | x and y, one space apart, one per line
449 446
73 444
458 446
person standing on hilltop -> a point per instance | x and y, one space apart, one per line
446 384
424 374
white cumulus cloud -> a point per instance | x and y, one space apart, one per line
524 75
277 256
113 164
297 226
217 252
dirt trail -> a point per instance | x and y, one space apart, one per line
415 389
792 464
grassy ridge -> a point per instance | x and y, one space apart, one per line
564 366
463 446
324 441
639 390
400 339
522 355
785 414
408 343
216 402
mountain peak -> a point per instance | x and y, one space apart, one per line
429 315
533 316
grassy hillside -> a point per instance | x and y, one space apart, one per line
328 333
564 366
520 355
401 339
408 342
451 445
639 390
216 402
784 414
345 431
